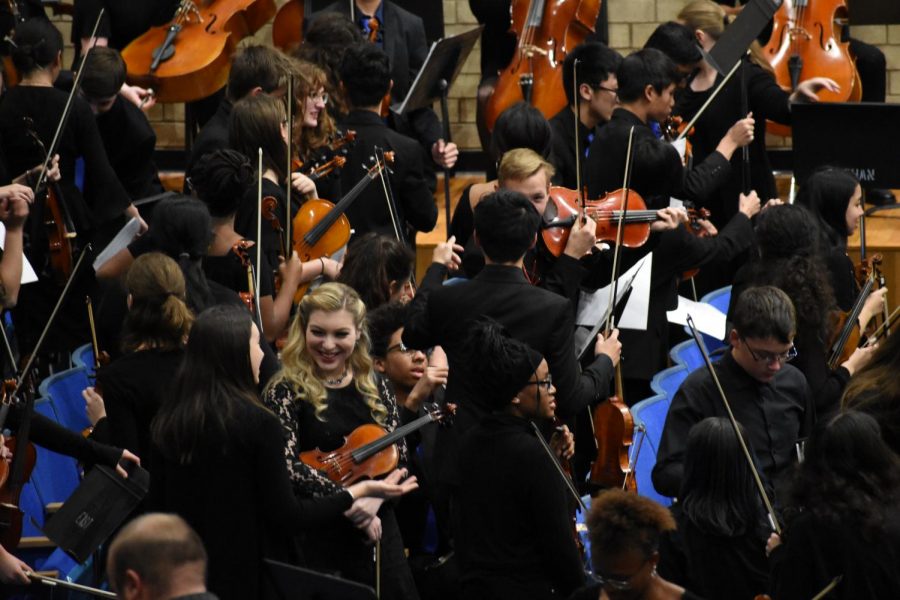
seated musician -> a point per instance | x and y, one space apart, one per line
647 81
510 547
402 36
770 398
597 98
366 77
127 135
158 557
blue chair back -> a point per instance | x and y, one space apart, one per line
649 418
719 299
64 391
55 476
667 381
687 354
83 356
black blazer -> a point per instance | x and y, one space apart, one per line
369 211
403 35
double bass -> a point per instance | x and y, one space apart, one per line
808 41
546 31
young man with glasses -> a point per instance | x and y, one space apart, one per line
769 397
597 94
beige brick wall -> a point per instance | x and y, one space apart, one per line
630 23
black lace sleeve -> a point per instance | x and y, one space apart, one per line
389 399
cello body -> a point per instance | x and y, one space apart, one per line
202 49
287 28
545 30
807 42
10 513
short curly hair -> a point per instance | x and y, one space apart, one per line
620 521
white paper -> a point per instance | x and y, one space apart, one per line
28 274
592 308
707 318
125 236
681 147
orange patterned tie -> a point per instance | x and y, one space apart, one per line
373 29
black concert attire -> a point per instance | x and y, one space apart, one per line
134 386
229 270
605 165
245 220
815 551
130 142
719 567
842 275
369 212
593 593
96 214
774 416
213 136
237 496
122 22
563 127
515 537
402 36
341 548
767 101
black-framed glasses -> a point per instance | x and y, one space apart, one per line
769 357
401 347
597 88
544 383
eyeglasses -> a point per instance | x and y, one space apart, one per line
617 585
323 98
545 383
401 347
770 357
598 88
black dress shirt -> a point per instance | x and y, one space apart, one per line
774 416
563 127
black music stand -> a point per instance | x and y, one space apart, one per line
738 36
859 136
287 582
442 65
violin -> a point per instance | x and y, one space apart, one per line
676 128
846 334
545 31
693 226
614 432
808 41
15 474
242 250
369 451
321 228
190 58
331 157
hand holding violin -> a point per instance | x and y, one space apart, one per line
809 89
873 306
447 254
773 542
859 359
303 185
93 405
143 98
749 204
562 442
29 178
432 377
582 238
610 346
669 218
291 271
14 202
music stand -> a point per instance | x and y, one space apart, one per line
738 36
293 583
442 65
864 140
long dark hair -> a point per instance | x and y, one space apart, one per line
256 123
875 390
214 380
826 195
182 229
373 262
789 260
718 494
849 476
36 44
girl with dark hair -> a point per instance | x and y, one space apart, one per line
380 269
789 259
155 330
875 390
218 458
846 523
514 535
833 197
719 549
328 37
29 116
327 388
625 531
220 179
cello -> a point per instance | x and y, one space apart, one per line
808 40
190 58
287 28
545 32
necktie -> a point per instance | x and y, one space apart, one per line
373 26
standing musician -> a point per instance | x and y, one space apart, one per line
381 269
35 105
15 201
325 390
366 78
597 90
647 81
254 70
770 398
401 35
515 537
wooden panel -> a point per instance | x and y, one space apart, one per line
883 235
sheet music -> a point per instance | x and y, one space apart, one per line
593 307
125 236
28 274
707 318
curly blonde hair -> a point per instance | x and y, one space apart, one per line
299 369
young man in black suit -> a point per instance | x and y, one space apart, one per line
365 77
401 35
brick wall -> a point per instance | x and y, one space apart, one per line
630 23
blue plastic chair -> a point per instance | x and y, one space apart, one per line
649 418
667 381
686 354
64 391
83 356
719 298
55 476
